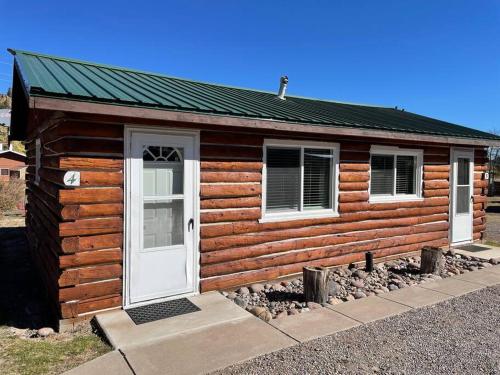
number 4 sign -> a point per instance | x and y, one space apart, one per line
72 178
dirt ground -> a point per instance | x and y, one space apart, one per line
23 310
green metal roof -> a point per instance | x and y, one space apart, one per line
52 76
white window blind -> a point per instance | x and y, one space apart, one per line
382 176
283 179
317 178
405 174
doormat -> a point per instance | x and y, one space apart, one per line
473 248
161 310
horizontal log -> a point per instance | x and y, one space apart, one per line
233 280
354 207
91 226
480 168
436 184
478 176
79 163
478 221
354 167
231 166
231 177
76 308
86 291
353 186
316 253
436 193
436 175
480 199
82 128
89 274
479 214
380 210
232 152
207 137
87 243
86 146
436 168
226 191
480 183
231 203
89 258
478 206
354 197
479 228
90 195
477 236
75 212
237 240
87 178
341 240
354 177
230 215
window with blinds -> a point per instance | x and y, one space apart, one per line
299 179
382 179
283 179
317 178
395 173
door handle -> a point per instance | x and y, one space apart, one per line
190 224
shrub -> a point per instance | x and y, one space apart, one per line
11 194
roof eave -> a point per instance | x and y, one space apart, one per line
76 106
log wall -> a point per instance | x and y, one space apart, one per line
76 234
236 249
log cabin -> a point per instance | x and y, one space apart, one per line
143 187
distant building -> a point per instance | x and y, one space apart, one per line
12 165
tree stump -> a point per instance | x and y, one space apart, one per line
315 284
431 260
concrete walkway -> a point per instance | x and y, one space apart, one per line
223 334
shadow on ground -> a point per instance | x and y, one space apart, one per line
22 302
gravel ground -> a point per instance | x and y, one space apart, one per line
458 336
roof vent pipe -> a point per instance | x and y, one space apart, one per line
283 85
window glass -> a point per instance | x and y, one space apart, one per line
405 174
463 174
317 178
382 174
283 179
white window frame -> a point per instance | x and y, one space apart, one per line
396 151
38 158
334 175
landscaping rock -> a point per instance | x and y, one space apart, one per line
231 295
243 290
241 302
45 332
359 295
393 287
262 313
495 261
256 288
358 283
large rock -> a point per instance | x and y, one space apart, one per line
243 290
358 283
45 332
241 302
256 288
333 288
261 313
495 261
359 295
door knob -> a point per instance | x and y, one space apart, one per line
190 224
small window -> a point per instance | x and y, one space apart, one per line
38 158
395 174
15 175
300 180
4 172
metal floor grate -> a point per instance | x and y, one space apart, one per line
162 310
473 248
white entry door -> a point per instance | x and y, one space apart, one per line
161 223
461 193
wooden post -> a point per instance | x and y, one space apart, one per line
431 260
315 284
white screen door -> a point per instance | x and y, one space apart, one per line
462 190
161 223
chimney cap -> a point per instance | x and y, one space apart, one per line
283 85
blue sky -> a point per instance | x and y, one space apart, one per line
437 58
